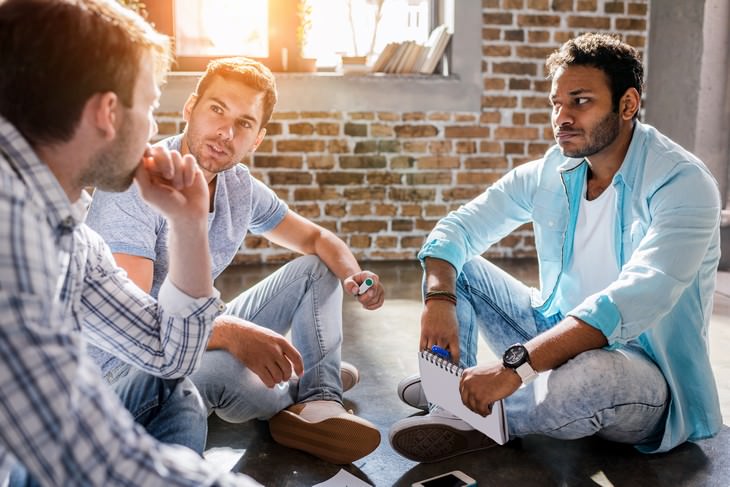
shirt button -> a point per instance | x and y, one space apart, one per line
221 307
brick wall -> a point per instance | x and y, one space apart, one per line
381 180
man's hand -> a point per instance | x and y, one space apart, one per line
483 385
173 184
372 298
440 327
265 352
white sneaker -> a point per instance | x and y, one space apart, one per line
411 392
349 374
435 436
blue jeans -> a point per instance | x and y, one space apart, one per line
619 395
170 410
303 297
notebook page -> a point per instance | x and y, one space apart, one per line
440 382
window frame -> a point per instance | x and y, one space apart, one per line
460 91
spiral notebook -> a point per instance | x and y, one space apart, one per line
440 382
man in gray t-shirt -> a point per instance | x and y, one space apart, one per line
250 369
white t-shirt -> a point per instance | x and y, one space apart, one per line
594 264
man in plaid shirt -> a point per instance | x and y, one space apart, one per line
76 103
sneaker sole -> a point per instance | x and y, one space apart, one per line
433 443
335 440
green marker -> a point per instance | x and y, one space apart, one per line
366 284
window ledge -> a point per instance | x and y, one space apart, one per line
363 92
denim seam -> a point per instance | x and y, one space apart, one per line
475 293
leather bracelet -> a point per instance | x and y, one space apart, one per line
440 296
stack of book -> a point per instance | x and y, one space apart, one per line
411 57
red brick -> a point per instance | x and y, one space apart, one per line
300 145
415 130
266 146
496 51
412 242
369 193
389 116
410 210
402 162
614 7
386 178
440 116
325 128
316 194
538 20
360 241
494 84
490 117
461 194
290 178
519 84
515 68
284 116
491 34
386 241
381 130
440 147
535 36
363 226
335 115
361 116
514 35
412 194
362 162
255 242
303 128
538 4
466 147
310 210
386 210
294 162
500 18
583 22
338 146
461 131
631 24
362 209
436 210
414 116
415 147
401 225
539 118
514 148
428 178
638 9
513 4
499 101
499 162
337 210
321 162
340 178
518 118
537 149
438 162
534 52
519 133
638 41
535 102
356 129
489 146
587 5
562 5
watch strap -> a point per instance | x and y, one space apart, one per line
526 373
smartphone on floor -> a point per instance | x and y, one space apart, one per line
455 478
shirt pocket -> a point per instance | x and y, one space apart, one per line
549 226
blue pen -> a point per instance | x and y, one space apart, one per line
441 352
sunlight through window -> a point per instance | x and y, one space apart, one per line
222 28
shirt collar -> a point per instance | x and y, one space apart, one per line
42 185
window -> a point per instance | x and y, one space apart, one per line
281 33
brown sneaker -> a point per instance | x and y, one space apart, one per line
349 375
326 430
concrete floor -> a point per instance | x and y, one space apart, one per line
383 345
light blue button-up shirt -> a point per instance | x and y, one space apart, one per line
667 244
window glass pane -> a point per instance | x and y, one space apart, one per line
363 27
222 28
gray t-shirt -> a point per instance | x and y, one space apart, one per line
129 226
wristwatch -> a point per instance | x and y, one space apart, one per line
517 359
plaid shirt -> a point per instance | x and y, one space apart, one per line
58 277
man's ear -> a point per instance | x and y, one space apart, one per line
629 104
188 107
101 110
259 139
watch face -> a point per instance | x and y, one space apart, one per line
514 356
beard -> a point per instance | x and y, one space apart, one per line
598 138
112 169
196 145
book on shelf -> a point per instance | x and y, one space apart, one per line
409 57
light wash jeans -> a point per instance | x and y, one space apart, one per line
170 410
303 297
619 395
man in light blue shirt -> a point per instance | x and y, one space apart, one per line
626 228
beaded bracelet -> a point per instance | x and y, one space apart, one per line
440 296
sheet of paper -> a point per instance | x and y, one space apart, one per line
343 479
